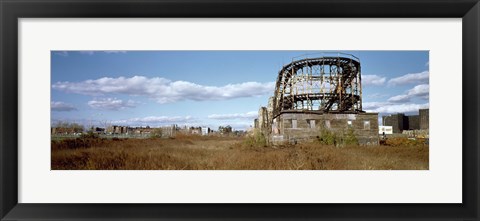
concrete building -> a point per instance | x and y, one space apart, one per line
205 131
424 119
264 119
300 126
397 121
400 122
413 122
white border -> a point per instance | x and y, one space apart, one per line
441 184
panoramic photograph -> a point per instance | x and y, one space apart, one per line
239 110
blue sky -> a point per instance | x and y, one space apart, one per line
210 88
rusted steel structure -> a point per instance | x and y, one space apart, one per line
326 83
318 93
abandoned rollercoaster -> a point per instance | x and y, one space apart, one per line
316 92
328 84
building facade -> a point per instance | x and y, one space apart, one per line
424 119
301 126
401 122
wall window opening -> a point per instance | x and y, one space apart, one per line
327 124
366 125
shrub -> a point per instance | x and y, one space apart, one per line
327 137
350 138
82 142
258 139
249 141
89 135
156 133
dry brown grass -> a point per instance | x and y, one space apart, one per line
223 153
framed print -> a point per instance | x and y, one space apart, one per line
239 110
222 130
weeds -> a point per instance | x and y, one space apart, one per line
157 133
338 138
349 138
226 153
257 140
327 137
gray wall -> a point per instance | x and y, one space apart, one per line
396 121
400 122
424 119
413 122
366 135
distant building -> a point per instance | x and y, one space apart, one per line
99 130
413 122
196 130
263 118
205 131
400 122
424 119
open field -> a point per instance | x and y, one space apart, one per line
231 153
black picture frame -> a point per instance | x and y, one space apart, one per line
12 10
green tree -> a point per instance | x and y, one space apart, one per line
225 130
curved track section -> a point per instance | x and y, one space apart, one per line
326 84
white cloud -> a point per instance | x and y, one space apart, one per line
376 80
65 53
375 95
238 125
87 52
399 98
108 52
373 105
412 78
390 108
248 115
163 90
400 103
419 91
61 106
156 120
61 53
115 52
111 104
